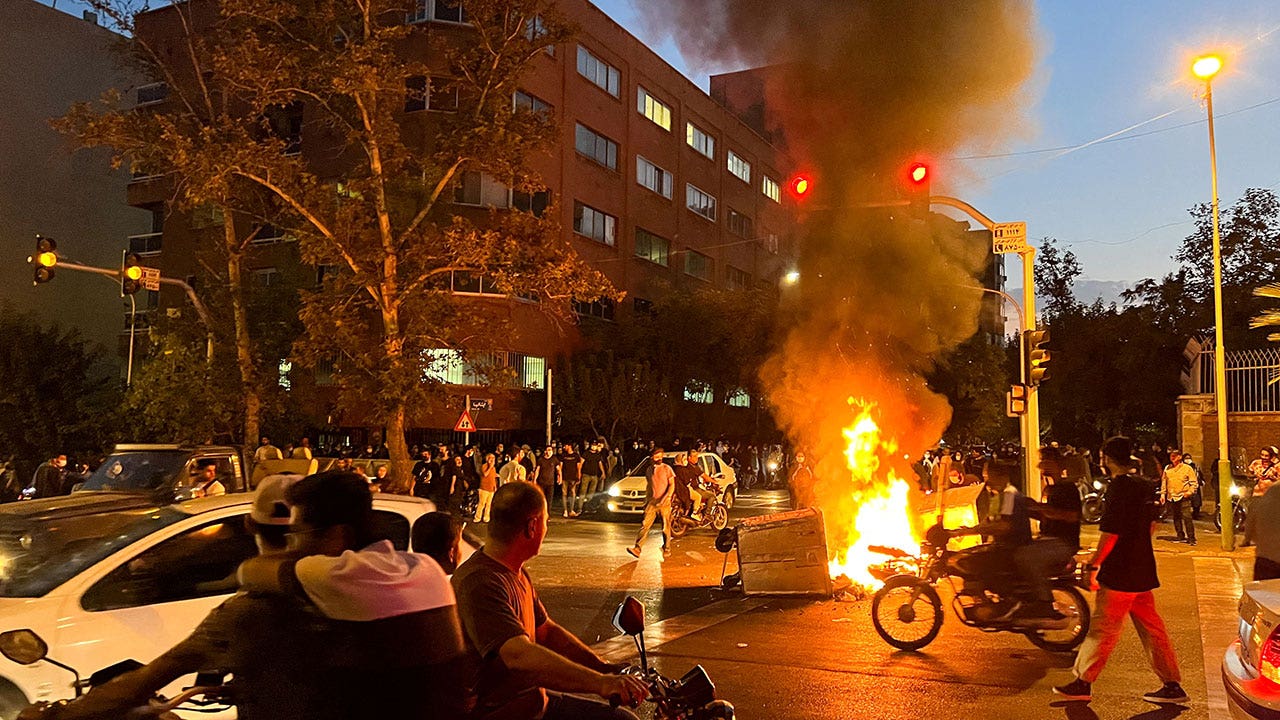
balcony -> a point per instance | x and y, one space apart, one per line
145 245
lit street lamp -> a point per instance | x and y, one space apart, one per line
1205 68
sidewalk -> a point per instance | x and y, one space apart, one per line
821 659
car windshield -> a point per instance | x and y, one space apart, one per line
642 470
38 556
137 471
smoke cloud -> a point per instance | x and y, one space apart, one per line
857 90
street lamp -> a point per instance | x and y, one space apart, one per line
1205 68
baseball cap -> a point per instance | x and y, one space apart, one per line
269 506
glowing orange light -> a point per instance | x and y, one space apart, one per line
918 172
1206 67
47 259
800 186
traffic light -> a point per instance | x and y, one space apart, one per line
1036 355
800 186
130 274
1016 401
918 177
44 259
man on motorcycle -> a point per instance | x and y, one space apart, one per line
271 645
699 481
1059 517
1010 530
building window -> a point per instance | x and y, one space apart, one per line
770 242
533 203
285 122
739 398
481 189
736 279
697 265
266 277
699 392
602 309
284 372
435 93
642 306
599 72
596 146
769 187
700 202
269 234
444 10
532 372
699 140
652 247
152 93
740 168
532 103
652 108
415 93
597 225
449 367
740 224
654 177
206 216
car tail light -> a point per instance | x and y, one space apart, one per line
1269 658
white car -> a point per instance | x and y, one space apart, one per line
1251 666
627 496
104 577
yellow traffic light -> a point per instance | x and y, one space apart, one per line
1036 357
133 272
47 259
130 274
44 258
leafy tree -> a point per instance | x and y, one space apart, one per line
61 395
1056 272
612 397
178 396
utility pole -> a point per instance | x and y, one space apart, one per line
548 406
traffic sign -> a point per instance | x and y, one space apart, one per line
151 278
465 423
1009 238
479 404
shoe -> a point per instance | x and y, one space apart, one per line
1038 611
1172 694
1075 690
566 513
1192 543
634 551
666 551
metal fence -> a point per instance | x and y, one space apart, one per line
1253 378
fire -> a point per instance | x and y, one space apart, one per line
882 509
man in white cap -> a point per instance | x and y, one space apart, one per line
271 645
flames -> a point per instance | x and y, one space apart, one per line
880 503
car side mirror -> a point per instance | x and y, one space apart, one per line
24 647
629 617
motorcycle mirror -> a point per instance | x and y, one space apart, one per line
24 647
629 617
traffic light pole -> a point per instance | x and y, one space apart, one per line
201 310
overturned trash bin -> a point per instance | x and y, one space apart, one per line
784 554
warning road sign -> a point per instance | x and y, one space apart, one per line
465 423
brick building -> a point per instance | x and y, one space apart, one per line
658 186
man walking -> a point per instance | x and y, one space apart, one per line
661 489
1178 486
1126 575
513 471
592 470
266 451
546 473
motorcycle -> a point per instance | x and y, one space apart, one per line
1238 512
1092 499
692 697
907 611
25 647
714 513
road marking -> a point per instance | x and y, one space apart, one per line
621 648
1219 582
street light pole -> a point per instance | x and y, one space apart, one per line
1206 68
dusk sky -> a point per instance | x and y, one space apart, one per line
1120 204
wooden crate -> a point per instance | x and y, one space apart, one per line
784 554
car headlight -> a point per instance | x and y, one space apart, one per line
1235 491
1097 484
615 491
772 466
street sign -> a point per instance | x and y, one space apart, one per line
1009 238
151 278
465 423
481 404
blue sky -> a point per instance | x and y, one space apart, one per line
1107 66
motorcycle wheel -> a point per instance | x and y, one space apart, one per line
1069 601
1091 510
907 612
679 525
729 496
1240 518
719 517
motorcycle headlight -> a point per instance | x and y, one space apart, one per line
772 466
1235 491
615 491
1097 484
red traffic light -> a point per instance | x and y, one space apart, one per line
918 173
800 186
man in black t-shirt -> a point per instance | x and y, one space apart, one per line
525 665
571 476
592 469
546 474
1059 517
1125 578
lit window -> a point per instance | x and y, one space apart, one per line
283 371
476 188
599 72
654 109
740 224
596 146
699 392
769 187
697 265
597 225
700 202
533 372
602 309
740 168
699 140
739 398
653 248
653 177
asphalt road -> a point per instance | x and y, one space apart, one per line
821 659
